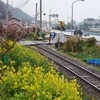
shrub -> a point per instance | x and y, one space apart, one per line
11 33
73 44
91 41
30 83
30 35
21 54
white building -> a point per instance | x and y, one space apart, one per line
92 24
92 21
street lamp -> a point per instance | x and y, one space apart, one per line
72 11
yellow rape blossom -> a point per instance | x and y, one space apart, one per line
4 66
41 85
10 43
1 82
4 78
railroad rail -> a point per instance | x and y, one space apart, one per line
91 79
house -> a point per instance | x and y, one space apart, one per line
14 20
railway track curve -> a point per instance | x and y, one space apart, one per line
91 80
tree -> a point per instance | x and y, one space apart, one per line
9 36
73 44
90 41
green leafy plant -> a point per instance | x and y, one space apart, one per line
29 83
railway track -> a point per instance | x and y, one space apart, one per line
90 79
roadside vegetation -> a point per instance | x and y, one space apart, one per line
25 76
81 49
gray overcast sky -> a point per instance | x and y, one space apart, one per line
82 10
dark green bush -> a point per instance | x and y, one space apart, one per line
73 44
91 41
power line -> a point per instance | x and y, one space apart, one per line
20 3
20 7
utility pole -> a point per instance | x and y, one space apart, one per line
36 26
99 23
6 11
67 19
36 16
12 8
50 15
6 14
50 20
40 18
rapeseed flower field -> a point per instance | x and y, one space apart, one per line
27 77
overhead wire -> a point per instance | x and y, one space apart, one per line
19 3
21 6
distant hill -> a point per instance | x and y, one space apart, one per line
22 15
17 13
2 10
